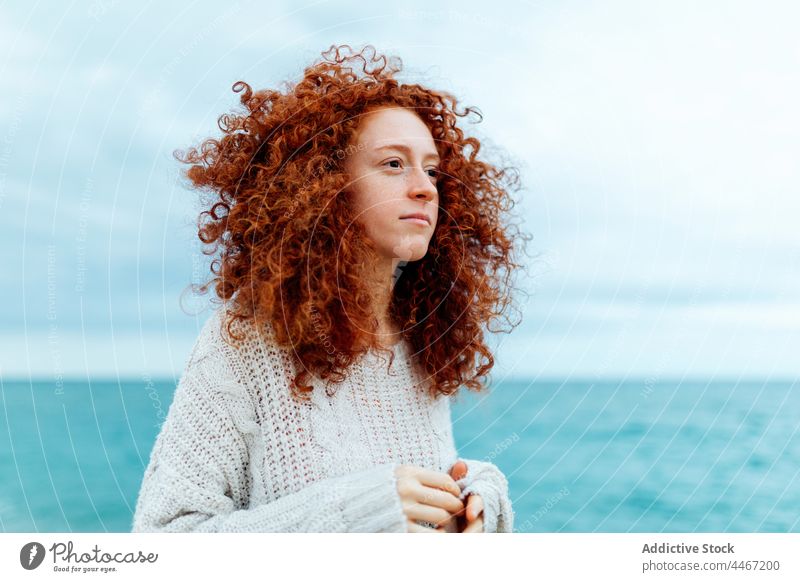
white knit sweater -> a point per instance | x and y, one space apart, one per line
238 454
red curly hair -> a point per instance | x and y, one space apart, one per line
279 215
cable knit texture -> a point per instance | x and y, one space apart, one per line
237 453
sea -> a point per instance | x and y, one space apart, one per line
651 455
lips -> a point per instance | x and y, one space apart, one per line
417 215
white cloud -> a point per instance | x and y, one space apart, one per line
658 142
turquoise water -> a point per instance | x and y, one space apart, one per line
579 456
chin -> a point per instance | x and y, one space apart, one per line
417 256
409 249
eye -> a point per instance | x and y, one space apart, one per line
433 172
395 162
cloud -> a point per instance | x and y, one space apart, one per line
657 143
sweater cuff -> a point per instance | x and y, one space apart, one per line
486 480
372 503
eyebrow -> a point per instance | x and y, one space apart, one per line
404 148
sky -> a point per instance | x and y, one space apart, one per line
657 144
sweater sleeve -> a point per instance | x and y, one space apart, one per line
486 480
197 478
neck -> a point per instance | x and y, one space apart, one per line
381 279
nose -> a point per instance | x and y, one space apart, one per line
420 185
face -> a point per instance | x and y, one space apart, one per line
393 172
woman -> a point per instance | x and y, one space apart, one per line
351 219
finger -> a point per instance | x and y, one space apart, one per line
439 480
474 507
451 526
459 470
422 512
416 528
439 498
474 526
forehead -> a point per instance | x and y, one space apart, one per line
390 125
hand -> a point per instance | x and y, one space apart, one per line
427 495
472 522
474 514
